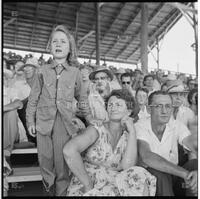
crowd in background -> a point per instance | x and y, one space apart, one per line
98 83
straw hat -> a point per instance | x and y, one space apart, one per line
175 86
100 69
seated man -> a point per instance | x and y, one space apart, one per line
11 123
158 139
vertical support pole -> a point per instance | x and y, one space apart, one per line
144 37
158 53
97 8
196 40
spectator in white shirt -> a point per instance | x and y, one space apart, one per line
158 139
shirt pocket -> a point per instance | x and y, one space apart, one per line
68 89
49 89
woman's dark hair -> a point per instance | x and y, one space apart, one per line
190 95
142 89
128 98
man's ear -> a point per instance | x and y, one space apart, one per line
148 109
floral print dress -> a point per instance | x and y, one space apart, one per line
101 163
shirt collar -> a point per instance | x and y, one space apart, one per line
65 65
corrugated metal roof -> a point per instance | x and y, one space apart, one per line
120 26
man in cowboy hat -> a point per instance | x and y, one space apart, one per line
101 78
179 98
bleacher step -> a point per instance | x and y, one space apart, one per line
25 174
25 151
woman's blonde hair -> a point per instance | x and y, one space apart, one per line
72 56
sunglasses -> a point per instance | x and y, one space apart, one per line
126 83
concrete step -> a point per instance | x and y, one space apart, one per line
25 174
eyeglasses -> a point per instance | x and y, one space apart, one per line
100 78
126 83
168 107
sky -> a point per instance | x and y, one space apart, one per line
176 53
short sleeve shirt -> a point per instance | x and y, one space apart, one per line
167 148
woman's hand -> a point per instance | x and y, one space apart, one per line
127 122
96 122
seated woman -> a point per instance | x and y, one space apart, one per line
108 167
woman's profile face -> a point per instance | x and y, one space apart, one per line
60 46
116 108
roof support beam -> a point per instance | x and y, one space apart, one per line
97 9
77 19
123 32
34 25
144 38
137 33
115 18
80 45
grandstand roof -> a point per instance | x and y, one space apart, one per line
120 25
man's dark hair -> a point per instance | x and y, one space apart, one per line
125 75
147 76
142 89
190 95
159 92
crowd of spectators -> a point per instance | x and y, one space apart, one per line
98 82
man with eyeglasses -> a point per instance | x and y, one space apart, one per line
158 139
126 82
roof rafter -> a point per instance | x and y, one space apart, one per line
128 25
115 18
137 33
